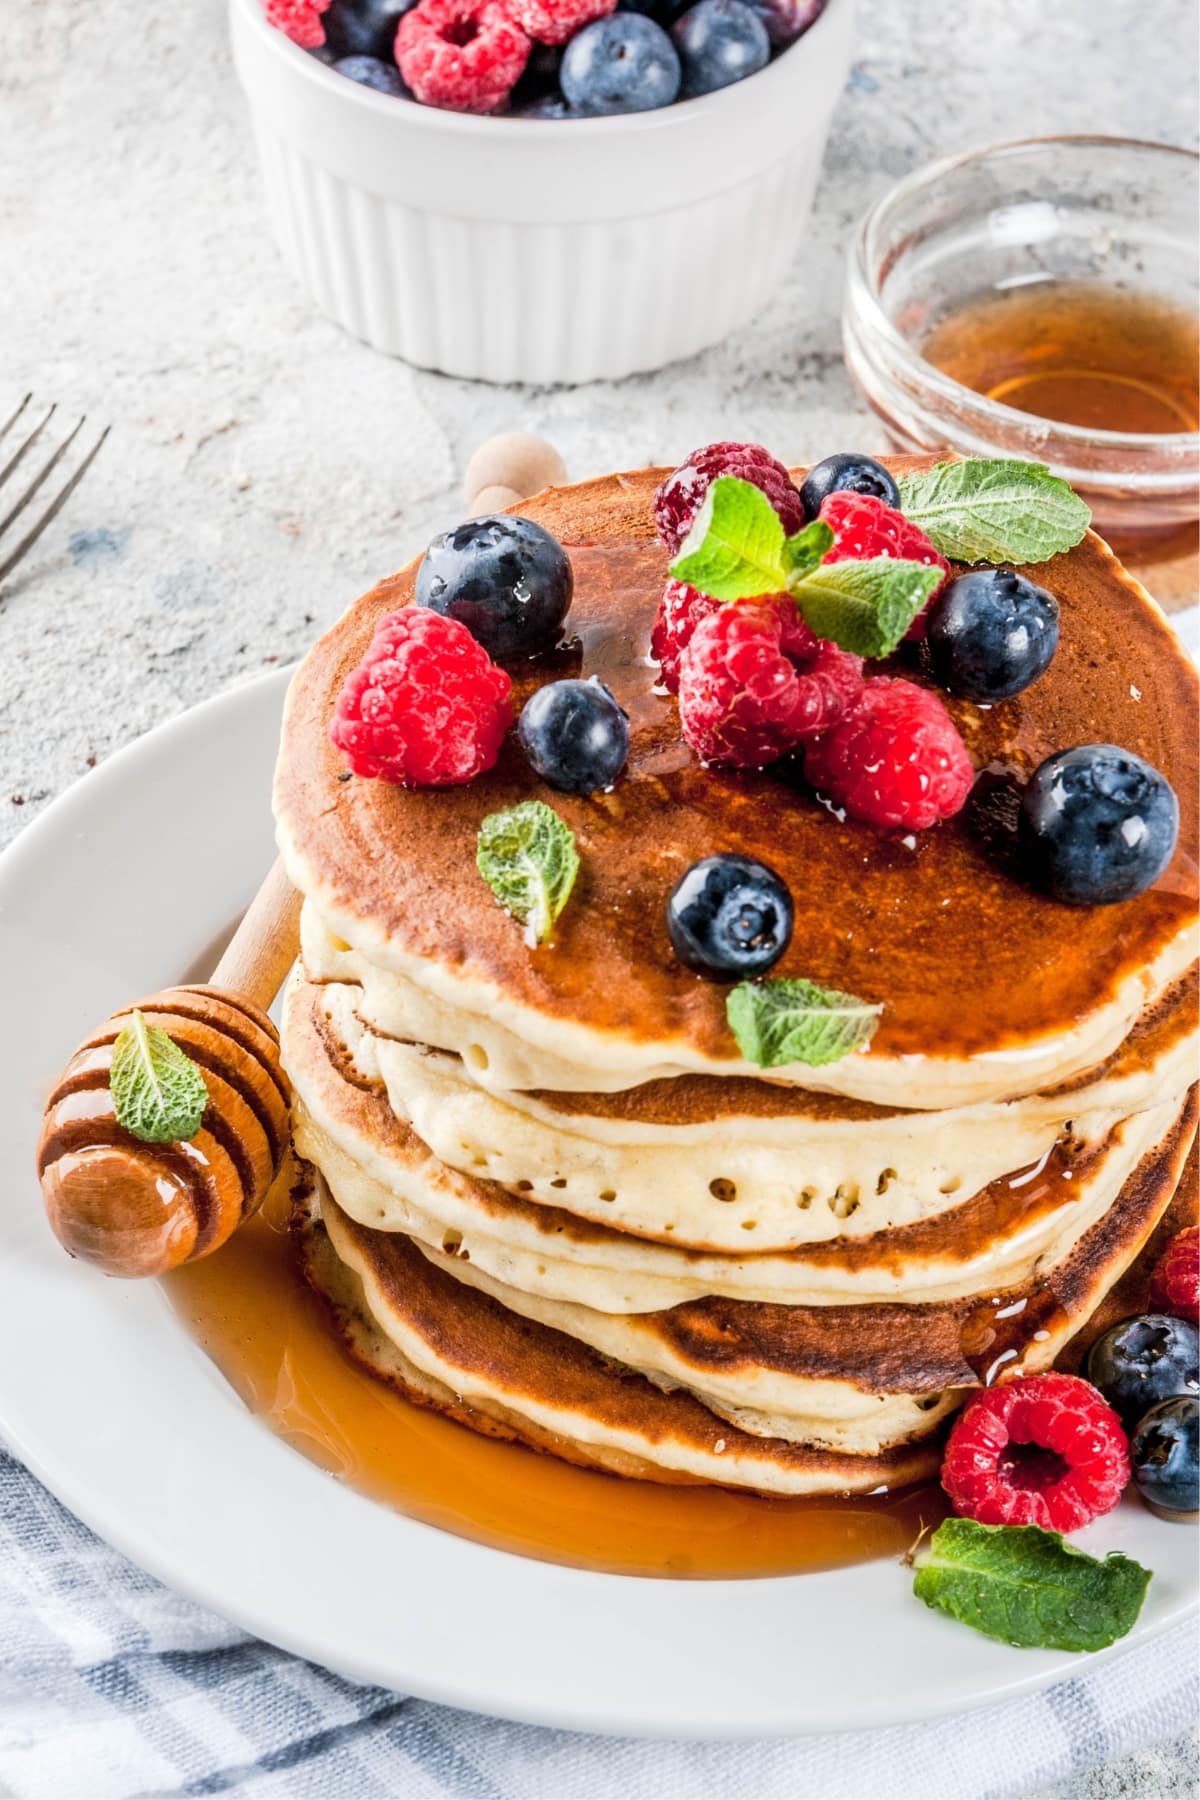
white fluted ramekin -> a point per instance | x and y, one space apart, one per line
533 250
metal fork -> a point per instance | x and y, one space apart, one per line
16 457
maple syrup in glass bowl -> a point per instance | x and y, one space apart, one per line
1038 299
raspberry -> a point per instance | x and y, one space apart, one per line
426 707
1042 1450
461 55
681 495
895 758
1175 1283
863 527
744 698
554 21
832 680
680 610
299 20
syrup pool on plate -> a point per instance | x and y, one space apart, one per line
252 1312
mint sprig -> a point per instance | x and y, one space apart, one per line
995 511
158 1092
794 1021
737 550
866 607
735 547
1025 1586
528 858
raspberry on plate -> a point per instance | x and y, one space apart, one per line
863 527
1175 1283
681 495
754 682
461 55
894 759
554 21
299 20
426 707
1042 1450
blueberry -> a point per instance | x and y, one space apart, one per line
991 634
575 734
1164 1454
663 12
1097 825
537 94
506 579
719 42
368 71
730 916
364 27
1144 1360
549 106
848 473
623 63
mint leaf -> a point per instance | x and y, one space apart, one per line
528 858
988 510
735 548
1026 1586
780 1021
866 606
805 551
158 1092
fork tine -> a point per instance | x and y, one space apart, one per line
37 481
14 416
52 511
30 441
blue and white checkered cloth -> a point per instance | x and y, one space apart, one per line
114 1688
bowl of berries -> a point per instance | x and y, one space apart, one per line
540 190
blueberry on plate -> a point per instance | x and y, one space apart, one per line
1164 1454
1097 825
719 42
1145 1360
506 579
364 27
848 473
730 917
620 64
991 633
575 735
370 72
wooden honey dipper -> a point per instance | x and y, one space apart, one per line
135 1208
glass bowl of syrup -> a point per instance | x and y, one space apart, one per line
1039 299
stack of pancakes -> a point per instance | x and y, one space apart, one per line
552 1199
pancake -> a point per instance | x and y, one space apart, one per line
386 1178
404 1316
916 923
702 1158
465 1355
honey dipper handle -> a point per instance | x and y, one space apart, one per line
264 946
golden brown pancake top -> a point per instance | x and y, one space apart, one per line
942 929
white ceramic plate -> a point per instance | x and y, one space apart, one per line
128 883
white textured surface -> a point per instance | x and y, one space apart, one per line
264 468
